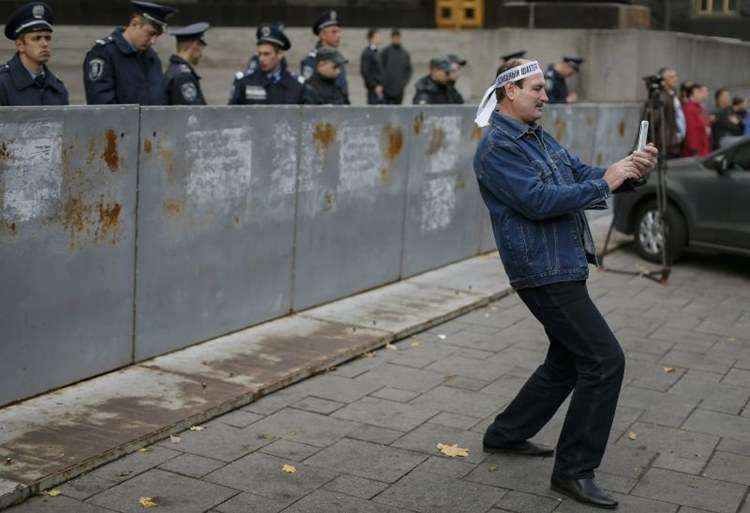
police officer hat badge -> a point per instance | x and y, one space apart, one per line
31 17
273 34
196 31
327 19
155 13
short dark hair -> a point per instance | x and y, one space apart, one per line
737 100
371 33
718 93
500 91
395 32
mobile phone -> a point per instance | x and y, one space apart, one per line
642 136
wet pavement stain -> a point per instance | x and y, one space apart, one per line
437 141
110 154
324 135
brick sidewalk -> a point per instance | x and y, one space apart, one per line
362 438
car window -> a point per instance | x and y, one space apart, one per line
741 157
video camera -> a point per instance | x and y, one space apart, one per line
654 84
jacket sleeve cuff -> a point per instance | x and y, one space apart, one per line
602 187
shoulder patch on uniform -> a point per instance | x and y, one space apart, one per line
96 69
239 75
4 68
189 92
299 78
105 40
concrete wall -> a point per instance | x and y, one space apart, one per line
616 59
130 232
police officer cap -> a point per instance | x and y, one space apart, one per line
456 59
273 34
575 62
442 63
329 54
154 13
191 32
32 17
516 55
328 19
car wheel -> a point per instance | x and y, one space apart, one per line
649 235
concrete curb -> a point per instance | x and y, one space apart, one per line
375 318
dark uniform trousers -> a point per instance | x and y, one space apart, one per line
583 357
257 88
115 73
18 88
182 84
307 69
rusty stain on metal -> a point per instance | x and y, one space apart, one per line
328 200
418 123
324 134
75 214
460 183
9 227
147 146
4 151
385 176
173 207
110 155
590 120
395 141
621 128
560 129
476 134
599 159
437 141
168 157
91 155
109 222
237 220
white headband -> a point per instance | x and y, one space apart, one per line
489 101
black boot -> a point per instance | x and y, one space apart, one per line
585 491
523 449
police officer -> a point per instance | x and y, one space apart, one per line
181 82
123 67
323 87
433 88
557 88
456 64
508 56
25 79
328 28
270 83
370 69
253 62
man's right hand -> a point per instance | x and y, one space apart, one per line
620 171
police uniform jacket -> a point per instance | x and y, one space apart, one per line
257 87
18 88
430 92
323 91
182 84
116 73
307 69
557 89
453 95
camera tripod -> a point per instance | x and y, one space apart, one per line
654 114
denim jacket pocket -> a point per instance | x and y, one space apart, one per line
564 167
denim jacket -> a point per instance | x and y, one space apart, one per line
536 192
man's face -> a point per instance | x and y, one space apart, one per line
328 69
527 102
196 52
671 79
331 36
439 75
376 39
567 70
37 46
396 40
142 35
269 57
455 72
724 100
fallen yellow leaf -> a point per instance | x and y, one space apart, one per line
53 493
453 450
669 370
144 449
416 343
391 347
197 428
632 435
492 468
289 469
147 502
369 355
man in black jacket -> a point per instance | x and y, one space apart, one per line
271 83
369 68
434 88
323 87
181 83
397 70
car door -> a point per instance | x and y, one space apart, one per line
738 181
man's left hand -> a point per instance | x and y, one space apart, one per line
645 160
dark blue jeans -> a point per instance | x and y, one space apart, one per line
583 357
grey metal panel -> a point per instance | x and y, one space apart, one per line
216 217
573 126
351 201
616 133
443 210
67 230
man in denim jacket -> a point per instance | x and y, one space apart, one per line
536 192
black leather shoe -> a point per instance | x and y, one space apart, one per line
523 449
585 491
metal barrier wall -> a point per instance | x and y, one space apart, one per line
67 230
243 215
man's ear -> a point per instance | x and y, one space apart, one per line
20 43
510 91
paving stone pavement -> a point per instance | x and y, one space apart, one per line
362 438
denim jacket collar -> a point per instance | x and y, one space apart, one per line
512 127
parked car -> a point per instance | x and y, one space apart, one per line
708 206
